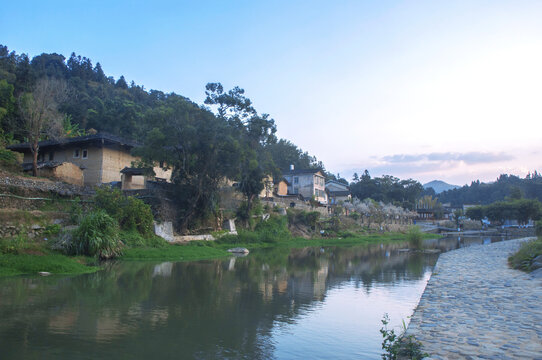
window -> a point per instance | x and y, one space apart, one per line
76 153
51 156
84 153
296 180
296 190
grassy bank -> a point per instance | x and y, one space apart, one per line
523 259
29 263
18 264
201 250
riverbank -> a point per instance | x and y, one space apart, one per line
203 250
476 307
18 264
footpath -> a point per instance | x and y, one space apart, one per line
476 307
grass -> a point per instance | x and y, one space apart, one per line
11 264
202 250
188 252
523 258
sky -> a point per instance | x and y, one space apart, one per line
448 90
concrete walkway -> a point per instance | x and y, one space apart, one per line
476 307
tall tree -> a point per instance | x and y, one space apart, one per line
39 112
199 147
255 132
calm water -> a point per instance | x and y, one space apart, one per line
276 304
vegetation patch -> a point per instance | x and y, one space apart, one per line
97 235
11 264
415 237
185 252
523 259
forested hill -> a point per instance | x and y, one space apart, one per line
506 186
100 102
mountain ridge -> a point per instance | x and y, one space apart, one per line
440 186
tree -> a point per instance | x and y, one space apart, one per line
201 150
475 213
254 131
39 112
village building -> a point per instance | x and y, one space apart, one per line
281 187
89 160
337 192
309 183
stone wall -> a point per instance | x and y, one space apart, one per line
18 192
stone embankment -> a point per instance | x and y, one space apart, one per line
476 307
11 182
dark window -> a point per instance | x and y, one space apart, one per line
85 153
296 180
51 156
76 153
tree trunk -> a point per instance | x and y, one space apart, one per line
35 158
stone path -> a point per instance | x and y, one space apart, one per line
476 307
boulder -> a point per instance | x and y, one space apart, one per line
537 274
239 250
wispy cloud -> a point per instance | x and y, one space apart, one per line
458 166
447 157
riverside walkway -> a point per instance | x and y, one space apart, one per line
476 307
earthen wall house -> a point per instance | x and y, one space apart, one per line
100 157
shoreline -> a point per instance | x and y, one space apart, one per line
26 264
475 307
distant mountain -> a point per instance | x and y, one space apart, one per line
439 186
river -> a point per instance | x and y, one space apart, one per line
312 303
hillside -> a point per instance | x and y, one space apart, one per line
439 186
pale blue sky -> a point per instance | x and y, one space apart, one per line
447 90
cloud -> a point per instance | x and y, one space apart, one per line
460 167
470 158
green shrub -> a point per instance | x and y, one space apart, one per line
13 245
355 216
301 217
8 160
130 212
524 257
415 237
97 235
52 229
273 230
133 238
76 211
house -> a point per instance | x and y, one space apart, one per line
337 191
308 183
98 159
281 187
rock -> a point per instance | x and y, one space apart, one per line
44 273
239 250
537 262
36 227
537 274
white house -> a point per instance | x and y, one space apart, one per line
307 182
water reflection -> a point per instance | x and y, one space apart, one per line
277 303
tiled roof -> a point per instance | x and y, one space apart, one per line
300 171
104 137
